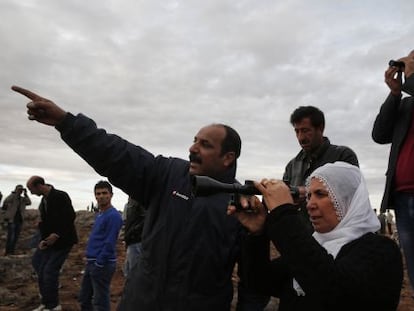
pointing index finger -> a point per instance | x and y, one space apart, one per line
27 93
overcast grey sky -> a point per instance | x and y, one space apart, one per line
154 72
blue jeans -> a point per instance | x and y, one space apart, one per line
47 264
13 233
132 254
35 240
95 288
404 215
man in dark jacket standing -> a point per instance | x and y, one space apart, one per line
395 124
189 245
57 233
309 125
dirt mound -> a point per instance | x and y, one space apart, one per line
18 285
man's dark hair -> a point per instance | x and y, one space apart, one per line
38 181
315 115
103 184
231 142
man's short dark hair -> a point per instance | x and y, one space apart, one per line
103 184
315 115
231 142
38 181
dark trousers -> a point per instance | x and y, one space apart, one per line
13 233
250 301
95 288
47 264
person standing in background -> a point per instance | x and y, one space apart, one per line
101 252
309 125
383 220
134 215
390 222
57 236
14 206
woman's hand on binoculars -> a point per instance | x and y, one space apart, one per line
275 192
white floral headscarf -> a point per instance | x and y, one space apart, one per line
348 192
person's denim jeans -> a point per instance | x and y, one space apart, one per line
132 254
13 233
35 240
47 264
95 289
404 215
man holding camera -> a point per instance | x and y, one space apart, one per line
14 206
395 124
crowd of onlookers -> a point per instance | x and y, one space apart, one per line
318 216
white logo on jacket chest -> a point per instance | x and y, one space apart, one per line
180 195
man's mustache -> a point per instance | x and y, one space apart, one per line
195 158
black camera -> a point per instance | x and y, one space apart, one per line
395 63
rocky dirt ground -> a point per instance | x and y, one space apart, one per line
18 286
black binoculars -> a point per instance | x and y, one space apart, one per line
205 186
394 63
